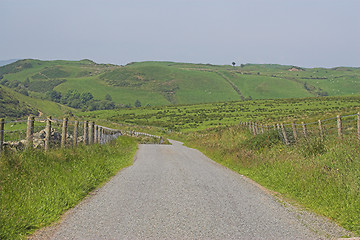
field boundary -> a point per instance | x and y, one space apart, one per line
290 133
51 133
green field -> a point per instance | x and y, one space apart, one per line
201 116
164 83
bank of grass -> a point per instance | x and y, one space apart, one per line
37 187
323 176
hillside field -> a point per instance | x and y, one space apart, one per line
164 83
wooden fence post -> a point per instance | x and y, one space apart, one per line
86 131
91 132
250 127
99 135
284 134
339 126
274 126
262 129
76 125
96 134
304 129
2 128
321 130
30 132
64 131
358 125
47 133
294 131
253 129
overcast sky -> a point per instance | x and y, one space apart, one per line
307 33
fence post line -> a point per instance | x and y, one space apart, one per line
294 131
30 132
284 134
358 125
250 127
304 129
321 130
86 131
76 125
339 126
96 134
2 128
99 135
253 129
91 132
47 133
63 133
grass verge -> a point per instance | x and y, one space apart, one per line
37 187
323 176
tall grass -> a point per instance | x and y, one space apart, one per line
322 175
37 187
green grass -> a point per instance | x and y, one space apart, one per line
36 188
202 116
163 83
323 176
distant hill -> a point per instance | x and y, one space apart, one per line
6 62
89 86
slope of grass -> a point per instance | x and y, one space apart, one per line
162 83
202 116
36 188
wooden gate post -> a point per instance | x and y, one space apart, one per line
76 125
64 131
30 132
86 131
47 134
2 128
339 126
294 131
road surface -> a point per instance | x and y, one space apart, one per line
174 192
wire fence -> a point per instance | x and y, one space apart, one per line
40 133
338 126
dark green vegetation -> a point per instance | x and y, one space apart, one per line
36 188
14 105
323 176
195 117
163 83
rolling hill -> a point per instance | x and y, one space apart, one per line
164 83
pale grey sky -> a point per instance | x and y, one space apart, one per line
307 33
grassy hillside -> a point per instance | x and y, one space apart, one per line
15 105
202 116
163 83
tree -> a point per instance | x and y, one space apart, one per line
137 103
108 97
233 63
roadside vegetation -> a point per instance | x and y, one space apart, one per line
37 187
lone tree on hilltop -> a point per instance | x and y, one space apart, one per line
233 63
137 103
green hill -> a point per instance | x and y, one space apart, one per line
15 105
163 83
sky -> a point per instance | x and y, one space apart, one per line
306 33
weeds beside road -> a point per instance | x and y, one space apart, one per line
37 187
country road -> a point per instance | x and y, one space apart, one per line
174 192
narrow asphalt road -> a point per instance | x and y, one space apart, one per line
174 192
